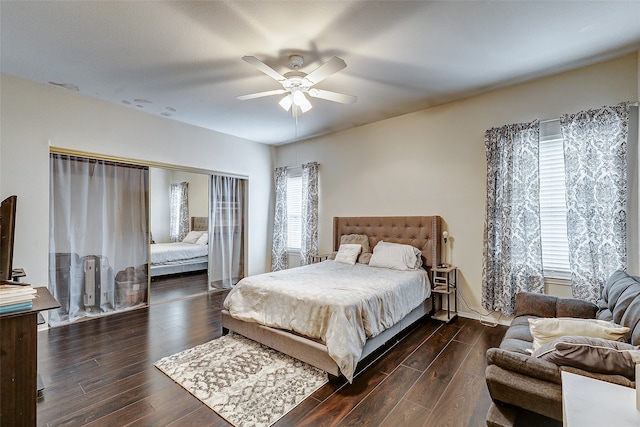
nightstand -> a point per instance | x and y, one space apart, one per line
444 282
319 258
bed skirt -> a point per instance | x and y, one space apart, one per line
164 269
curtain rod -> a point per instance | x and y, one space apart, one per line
631 104
296 167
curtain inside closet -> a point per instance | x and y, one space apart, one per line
226 231
98 238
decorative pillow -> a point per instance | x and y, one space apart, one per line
358 239
592 354
365 258
545 330
204 239
192 236
348 253
396 256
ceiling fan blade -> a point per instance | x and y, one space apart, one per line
264 68
330 67
333 96
261 94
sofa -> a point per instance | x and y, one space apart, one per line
517 380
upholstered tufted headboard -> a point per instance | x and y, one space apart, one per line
199 223
423 232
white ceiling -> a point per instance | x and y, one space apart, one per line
182 59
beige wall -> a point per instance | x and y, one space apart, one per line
37 116
433 161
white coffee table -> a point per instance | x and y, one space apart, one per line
589 402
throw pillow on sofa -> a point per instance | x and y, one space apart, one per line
545 330
592 354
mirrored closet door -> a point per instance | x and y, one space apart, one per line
179 218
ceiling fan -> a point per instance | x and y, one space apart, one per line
296 83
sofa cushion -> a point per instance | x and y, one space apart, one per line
620 303
592 354
518 337
539 305
545 330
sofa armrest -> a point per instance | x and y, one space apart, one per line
524 364
540 305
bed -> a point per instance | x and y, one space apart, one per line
181 257
257 314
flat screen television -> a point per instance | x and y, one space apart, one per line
7 229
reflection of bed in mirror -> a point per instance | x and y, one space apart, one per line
182 257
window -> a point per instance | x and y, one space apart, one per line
553 212
294 210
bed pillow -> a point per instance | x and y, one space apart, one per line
364 258
592 354
545 330
396 256
360 239
348 253
204 239
192 236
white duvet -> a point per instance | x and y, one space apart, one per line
341 305
162 253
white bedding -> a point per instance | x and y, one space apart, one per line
341 305
163 253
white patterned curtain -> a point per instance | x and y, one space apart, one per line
179 218
279 258
309 243
595 151
226 233
512 259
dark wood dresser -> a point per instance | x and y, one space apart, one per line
19 361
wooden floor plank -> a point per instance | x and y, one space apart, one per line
434 381
338 405
373 409
406 414
427 352
457 404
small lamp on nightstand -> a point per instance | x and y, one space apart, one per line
445 237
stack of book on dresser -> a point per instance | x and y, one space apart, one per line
16 297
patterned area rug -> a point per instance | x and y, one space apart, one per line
246 383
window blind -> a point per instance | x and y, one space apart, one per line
294 212
553 212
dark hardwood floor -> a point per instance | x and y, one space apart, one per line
177 286
100 373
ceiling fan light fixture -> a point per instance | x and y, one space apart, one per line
296 83
286 102
301 101
306 106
